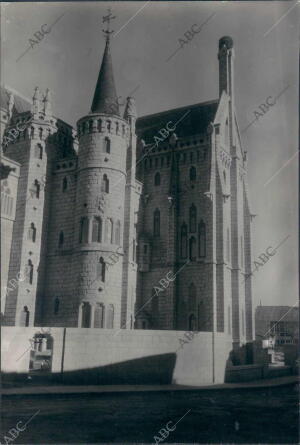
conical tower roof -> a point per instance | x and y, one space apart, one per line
105 96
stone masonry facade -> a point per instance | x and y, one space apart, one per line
127 223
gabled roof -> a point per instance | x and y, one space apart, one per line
189 120
276 313
21 104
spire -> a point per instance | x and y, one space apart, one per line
105 96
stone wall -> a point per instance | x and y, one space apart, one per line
111 356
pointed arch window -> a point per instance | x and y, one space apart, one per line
65 184
193 218
156 223
56 306
192 248
193 173
61 239
157 179
32 233
29 272
101 269
108 231
118 233
183 241
202 239
36 188
38 151
84 230
86 312
110 316
106 145
99 315
97 230
105 184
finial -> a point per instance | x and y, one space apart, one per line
107 18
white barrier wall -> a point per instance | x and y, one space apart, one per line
141 355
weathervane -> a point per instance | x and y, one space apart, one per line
107 18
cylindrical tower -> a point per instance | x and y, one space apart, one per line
103 141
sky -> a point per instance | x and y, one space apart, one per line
67 59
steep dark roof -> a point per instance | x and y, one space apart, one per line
275 313
20 104
105 96
192 119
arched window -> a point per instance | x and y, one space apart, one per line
156 223
193 218
56 306
61 239
183 241
90 126
32 233
86 315
192 297
97 230
192 248
110 317
202 239
106 145
40 133
118 233
99 315
29 274
105 184
117 127
38 151
228 246
192 323
99 124
64 184
101 269
108 231
24 319
193 173
32 132
36 188
84 230
157 179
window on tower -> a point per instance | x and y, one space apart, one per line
97 230
192 248
86 312
105 184
183 241
202 239
110 317
109 231
101 269
193 218
118 233
99 315
32 233
156 223
84 230
106 145
193 173
29 272
157 179
61 239
64 184
36 189
38 151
